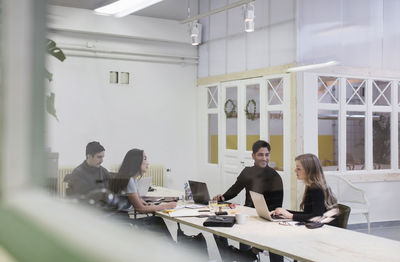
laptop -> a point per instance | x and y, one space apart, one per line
143 185
262 208
199 192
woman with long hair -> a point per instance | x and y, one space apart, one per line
133 167
317 198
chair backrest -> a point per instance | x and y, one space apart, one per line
345 191
343 218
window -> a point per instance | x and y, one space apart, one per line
212 113
355 123
275 108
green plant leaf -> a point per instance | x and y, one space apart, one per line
50 105
53 50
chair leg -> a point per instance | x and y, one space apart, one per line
368 223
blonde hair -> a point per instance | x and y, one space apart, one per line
315 178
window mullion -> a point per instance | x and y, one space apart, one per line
394 129
368 128
342 125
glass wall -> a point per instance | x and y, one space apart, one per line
355 140
328 139
275 131
213 138
230 108
381 140
252 111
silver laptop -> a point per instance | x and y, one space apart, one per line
262 208
143 185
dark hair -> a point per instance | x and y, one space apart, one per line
130 167
93 148
259 144
315 178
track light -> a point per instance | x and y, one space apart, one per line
195 33
249 17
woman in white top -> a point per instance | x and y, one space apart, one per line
133 166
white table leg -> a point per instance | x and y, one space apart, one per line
172 228
212 248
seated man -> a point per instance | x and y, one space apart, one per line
259 178
89 175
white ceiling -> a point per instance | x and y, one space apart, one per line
166 9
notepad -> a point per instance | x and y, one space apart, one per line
184 212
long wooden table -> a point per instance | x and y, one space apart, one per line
298 242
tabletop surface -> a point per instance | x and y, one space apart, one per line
322 244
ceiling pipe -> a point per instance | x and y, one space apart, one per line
230 6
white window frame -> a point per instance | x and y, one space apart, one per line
203 115
310 125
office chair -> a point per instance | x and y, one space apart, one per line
343 217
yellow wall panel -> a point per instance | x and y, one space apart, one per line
326 149
214 149
276 142
231 142
250 141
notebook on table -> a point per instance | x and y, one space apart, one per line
262 208
160 199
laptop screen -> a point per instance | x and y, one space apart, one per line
199 192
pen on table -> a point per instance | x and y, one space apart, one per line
169 211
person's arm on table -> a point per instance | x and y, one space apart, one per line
139 205
233 191
318 207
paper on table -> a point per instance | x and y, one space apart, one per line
195 206
184 212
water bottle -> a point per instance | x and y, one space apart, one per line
188 192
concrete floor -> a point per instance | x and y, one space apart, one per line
389 229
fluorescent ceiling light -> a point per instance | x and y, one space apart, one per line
313 66
125 7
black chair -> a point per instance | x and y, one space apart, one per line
343 217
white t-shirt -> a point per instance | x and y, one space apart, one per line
132 186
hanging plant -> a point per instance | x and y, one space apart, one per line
232 112
251 115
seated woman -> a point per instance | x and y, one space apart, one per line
132 168
317 198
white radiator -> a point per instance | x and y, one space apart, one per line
155 171
61 186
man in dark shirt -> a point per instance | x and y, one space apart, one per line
261 179
89 175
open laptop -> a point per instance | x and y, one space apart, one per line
262 208
143 185
199 192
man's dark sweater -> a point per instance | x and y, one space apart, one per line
85 179
265 181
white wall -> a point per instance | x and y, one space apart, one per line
382 197
359 33
156 112
227 48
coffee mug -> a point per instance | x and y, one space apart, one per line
240 218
